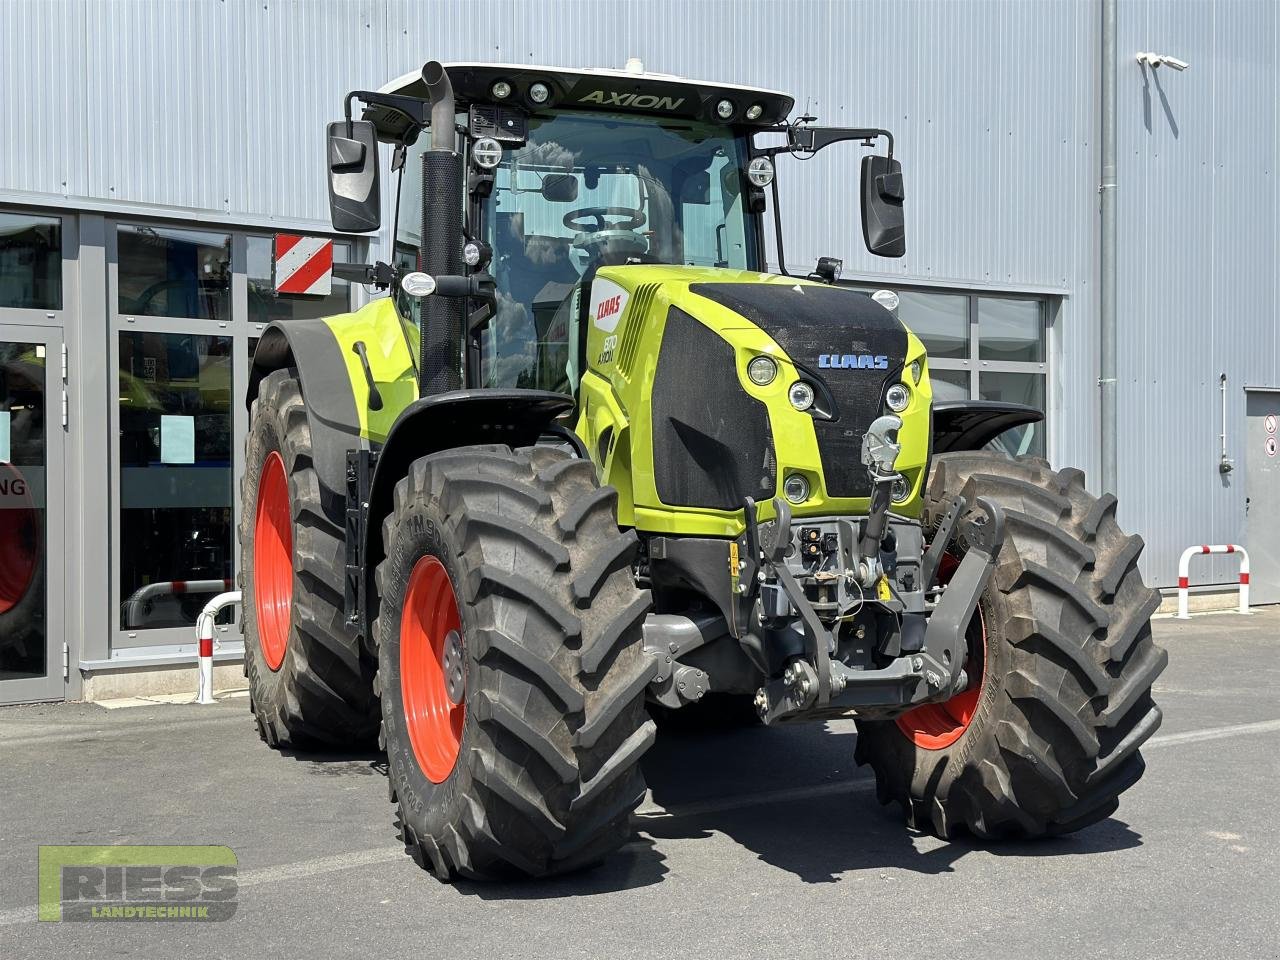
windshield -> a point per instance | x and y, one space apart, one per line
588 190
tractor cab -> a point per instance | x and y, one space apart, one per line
565 172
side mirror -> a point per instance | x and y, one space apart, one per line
355 202
559 187
883 226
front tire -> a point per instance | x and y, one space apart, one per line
309 685
510 664
1046 739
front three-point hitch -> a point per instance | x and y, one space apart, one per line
835 581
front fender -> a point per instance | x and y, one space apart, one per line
310 347
972 424
443 421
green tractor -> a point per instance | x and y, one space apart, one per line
590 462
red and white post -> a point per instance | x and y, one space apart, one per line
1184 572
204 635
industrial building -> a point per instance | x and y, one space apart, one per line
155 148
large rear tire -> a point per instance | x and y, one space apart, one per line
309 684
1046 738
510 664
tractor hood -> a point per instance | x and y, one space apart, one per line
674 345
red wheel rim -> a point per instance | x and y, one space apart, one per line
273 561
19 540
432 674
935 726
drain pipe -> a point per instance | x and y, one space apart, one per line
1107 252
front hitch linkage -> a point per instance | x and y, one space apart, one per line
935 672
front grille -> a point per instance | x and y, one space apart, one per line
808 321
712 445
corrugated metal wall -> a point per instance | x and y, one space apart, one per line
215 109
1199 216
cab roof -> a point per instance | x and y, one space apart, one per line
627 91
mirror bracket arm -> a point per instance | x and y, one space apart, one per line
379 275
415 110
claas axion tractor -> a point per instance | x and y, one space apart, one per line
590 462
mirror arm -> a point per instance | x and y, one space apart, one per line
804 139
415 110
380 275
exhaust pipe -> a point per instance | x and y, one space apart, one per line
440 91
441 360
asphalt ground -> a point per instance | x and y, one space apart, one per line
753 843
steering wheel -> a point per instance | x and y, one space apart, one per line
631 218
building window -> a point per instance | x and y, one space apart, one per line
163 272
984 347
175 476
30 262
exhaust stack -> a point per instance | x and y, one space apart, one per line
440 363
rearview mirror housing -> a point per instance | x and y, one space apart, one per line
883 223
559 187
355 201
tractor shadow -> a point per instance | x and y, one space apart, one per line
356 762
831 825
637 864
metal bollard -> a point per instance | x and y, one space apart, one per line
1184 574
204 637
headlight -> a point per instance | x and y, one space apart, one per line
500 90
887 299
760 171
801 395
900 490
487 153
724 109
897 397
796 488
539 92
917 370
755 111
762 370
418 284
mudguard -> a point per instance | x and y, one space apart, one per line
972 424
311 348
458 418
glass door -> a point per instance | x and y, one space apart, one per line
31 433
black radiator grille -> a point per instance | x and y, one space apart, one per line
712 445
808 321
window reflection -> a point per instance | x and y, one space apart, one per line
949 384
941 321
175 476
1011 329
1025 388
174 273
23 623
30 262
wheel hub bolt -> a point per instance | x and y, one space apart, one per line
454 676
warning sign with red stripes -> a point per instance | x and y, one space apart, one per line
303 265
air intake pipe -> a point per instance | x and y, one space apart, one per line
440 254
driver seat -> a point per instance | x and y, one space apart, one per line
527 264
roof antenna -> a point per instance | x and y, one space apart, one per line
634 65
